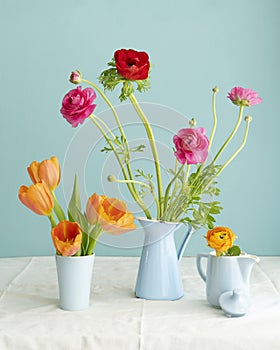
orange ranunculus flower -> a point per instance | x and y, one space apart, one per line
37 198
67 237
220 238
48 171
110 213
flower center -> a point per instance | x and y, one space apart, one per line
132 62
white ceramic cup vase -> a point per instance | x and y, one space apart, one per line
74 275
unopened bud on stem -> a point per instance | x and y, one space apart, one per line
248 118
192 123
111 178
215 89
76 77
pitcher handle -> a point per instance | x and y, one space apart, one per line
199 265
182 248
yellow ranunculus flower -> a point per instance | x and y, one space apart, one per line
220 238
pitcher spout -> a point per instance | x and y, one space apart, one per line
246 263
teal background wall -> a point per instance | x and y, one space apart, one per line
193 45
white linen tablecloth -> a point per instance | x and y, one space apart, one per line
31 319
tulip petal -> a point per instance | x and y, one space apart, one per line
48 171
37 198
110 213
67 237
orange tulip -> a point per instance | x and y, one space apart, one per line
67 237
92 208
48 171
110 213
37 198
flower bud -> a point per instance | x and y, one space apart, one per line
111 178
215 89
192 123
248 118
76 77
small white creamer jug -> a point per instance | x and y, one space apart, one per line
226 274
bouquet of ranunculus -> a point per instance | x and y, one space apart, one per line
194 175
78 234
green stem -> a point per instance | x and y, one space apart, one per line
153 148
234 154
105 98
134 181
230 136
52 220
187 172
93 238
105 126
214 120
151 188
176 183
110 106
166 195
57 209
131 189
175 210
212 132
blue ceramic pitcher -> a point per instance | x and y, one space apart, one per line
225 274
159 275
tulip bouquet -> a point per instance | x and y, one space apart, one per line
221 239
194 175
78 234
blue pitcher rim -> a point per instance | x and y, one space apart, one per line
142 218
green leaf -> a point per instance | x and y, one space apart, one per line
74 208
74 205
82 220
215 210
234 251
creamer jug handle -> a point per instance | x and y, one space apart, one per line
199 265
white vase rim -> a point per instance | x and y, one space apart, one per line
242 255
75 256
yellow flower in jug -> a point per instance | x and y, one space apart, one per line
221 239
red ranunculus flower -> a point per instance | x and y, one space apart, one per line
77 105
131 64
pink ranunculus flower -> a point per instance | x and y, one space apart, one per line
244 97
77 105
191 145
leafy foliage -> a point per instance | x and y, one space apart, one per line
234 251
110 78
189 198
121 148
148 185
